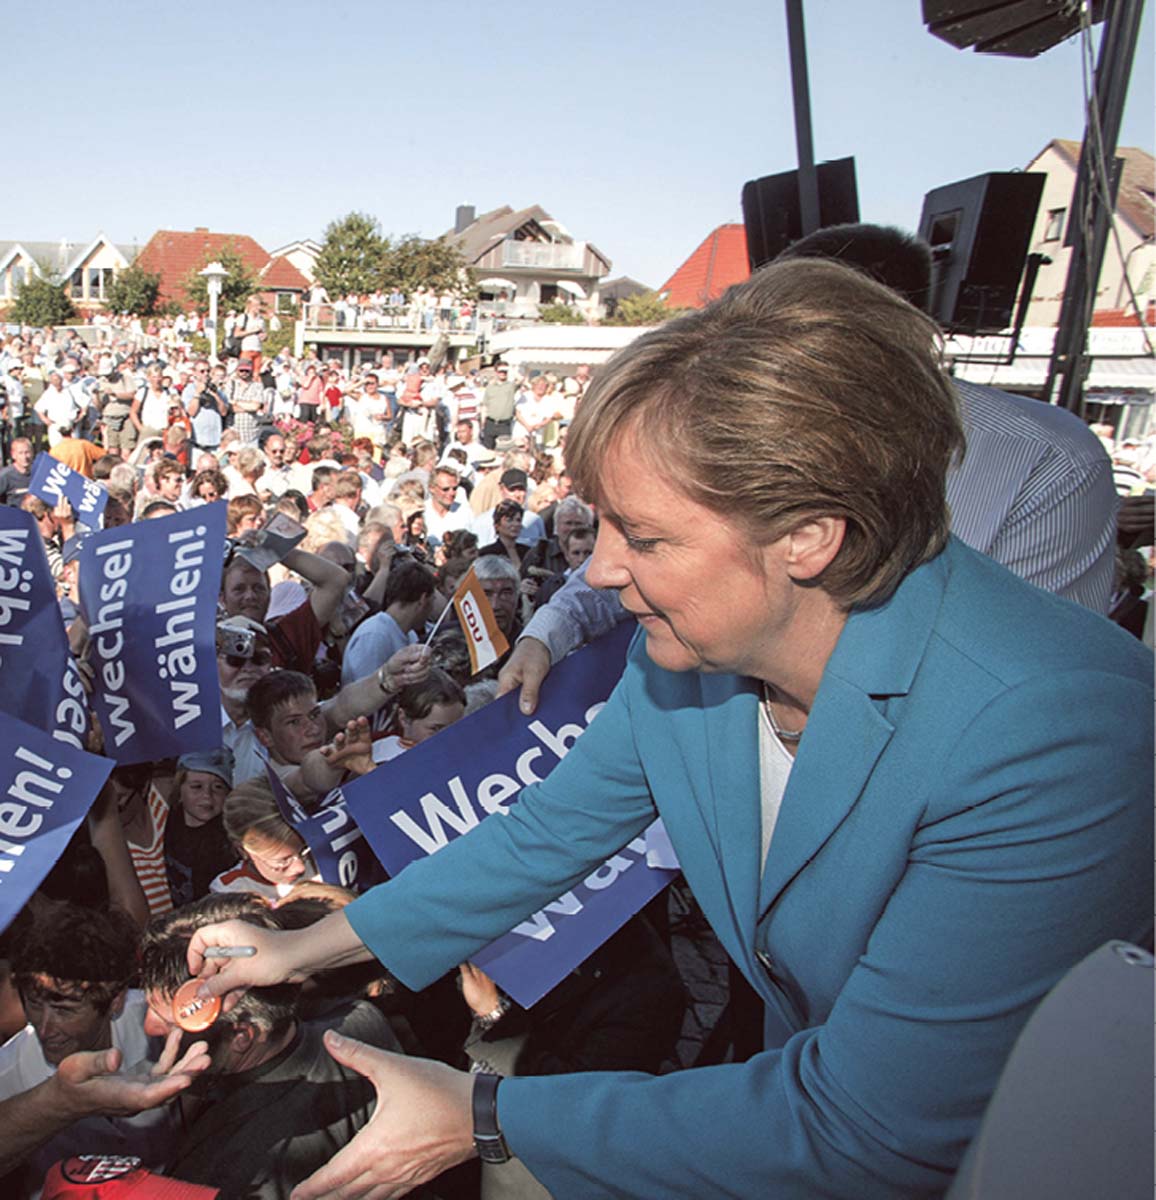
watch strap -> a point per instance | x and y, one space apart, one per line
489 1140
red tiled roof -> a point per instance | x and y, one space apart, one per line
718 262
281 275
173 254
1123 317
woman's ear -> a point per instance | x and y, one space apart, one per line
812 547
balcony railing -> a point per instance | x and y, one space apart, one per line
549 256
487 318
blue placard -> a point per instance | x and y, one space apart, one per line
417 803
46 788
342 855
52 480
148 592
41 683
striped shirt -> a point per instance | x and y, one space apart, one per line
1035 492
149 861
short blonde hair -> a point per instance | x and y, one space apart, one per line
251 808
325 526
809 391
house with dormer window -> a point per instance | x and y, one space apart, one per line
86 268
526 260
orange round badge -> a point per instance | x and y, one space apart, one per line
191 1012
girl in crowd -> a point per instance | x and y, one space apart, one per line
423 709
273 857
197 848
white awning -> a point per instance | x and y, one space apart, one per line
575 290
496 284
546 356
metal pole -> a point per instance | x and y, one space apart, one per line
1113 70
214 292
808 180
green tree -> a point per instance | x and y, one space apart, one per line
236 287
42 302
646 308
352 257
413 262
134 291
278 339
561 314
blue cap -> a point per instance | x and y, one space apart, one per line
213 762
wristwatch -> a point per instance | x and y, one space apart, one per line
489 1141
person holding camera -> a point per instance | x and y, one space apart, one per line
205 402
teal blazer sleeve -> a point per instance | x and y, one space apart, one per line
969 814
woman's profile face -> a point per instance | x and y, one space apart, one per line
706 598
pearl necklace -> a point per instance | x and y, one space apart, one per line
784 735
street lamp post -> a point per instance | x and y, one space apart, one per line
214 275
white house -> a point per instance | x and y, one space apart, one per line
1135 223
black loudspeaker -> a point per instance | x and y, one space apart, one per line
979 230
771 207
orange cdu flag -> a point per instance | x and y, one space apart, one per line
486 641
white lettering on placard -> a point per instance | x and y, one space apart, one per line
177 652
58 477
106 634
14 578
541 928
72 712
492 794
33 788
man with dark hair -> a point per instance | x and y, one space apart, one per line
273 1106
275 714
324 487
59 1093
406 608
1034 490
291 724
899 260
17 475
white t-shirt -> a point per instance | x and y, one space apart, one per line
252 328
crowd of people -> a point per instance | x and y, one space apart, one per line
324 674
403 478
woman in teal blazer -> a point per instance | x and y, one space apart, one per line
908 790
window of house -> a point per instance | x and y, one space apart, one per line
548 293
17 276
77 284
98 279
1054 228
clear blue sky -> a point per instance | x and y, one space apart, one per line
634 123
